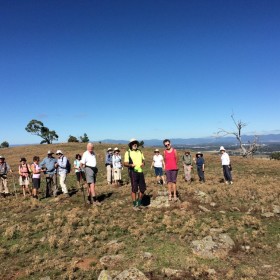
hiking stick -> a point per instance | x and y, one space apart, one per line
15 190
82 189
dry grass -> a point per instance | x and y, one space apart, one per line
63 239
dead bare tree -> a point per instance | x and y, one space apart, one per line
246 150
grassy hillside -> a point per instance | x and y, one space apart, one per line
60 238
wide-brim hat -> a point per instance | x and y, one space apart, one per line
132 141
222 148
156 151
109 149
199 153
1 157
187 152
50 152
59 152
116 149
22 159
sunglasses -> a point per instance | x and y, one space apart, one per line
166 145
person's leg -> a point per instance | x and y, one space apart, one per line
109 174
5 183
62 180
1 186
188 173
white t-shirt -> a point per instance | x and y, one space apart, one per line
225 159
158 159
88 159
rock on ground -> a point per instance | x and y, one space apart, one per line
131 274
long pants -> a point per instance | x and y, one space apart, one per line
227 173
50 185
3 185
62 180
187 172
109 173
200 173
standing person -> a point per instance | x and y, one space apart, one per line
226 166
88 162
187 164
158 164
171 168
4 169
135 161
48 166
24 171
117 166
200 164
80 173
61 166
36 181
109 165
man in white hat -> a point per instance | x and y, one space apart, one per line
61 166
4 169
48 166
135 161
109 165
226 165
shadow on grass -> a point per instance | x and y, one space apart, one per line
104 196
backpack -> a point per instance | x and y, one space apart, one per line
68 166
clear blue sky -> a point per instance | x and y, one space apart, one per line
140 69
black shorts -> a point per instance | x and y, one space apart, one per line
36 183
80 175
137 181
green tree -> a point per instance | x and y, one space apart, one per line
4 144
72 139
37 128
275 155
84 139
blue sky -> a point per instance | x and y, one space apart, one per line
138 69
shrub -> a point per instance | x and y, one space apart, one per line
275 155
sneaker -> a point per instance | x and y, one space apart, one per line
231 182
227 182
175 198
169 198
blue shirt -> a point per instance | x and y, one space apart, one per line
108 159
49 163
200 161
62 162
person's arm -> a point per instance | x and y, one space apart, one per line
19 172
152 163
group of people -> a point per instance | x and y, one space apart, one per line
86 170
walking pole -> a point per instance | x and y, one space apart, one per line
15 190
82 188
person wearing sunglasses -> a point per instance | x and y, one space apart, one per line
171 169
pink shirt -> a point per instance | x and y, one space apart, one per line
170 160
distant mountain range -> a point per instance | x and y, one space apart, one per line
263 139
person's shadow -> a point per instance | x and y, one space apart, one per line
104 196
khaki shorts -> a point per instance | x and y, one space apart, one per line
23 181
